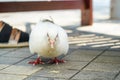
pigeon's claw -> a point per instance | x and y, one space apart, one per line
56 61
37 61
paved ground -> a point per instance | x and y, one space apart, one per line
94 52
91 57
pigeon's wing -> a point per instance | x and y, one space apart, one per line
37 40
63 46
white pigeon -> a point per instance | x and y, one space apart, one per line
48 40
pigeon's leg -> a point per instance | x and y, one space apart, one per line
37 61
56 61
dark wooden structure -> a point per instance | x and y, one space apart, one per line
84 5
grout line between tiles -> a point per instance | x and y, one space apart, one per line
88 64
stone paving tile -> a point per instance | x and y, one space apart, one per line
66 65
42 78
4 50
21 68
84 58
108 59
111 53
118 77
83 55
11 77
94 75
94 48
7 61
26 63
86 52
7 49
52 70
24 49
19 53
69 65
1 53
55 73
2 66
103 67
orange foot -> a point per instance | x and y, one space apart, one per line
37 61
56 61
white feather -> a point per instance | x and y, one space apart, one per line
38 42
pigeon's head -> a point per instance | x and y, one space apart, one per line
52 40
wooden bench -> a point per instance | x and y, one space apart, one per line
84 5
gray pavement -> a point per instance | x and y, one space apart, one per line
84 62
94 52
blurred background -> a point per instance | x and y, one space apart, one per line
102 21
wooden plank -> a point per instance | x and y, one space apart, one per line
39 5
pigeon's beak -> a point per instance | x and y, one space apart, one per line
52 43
